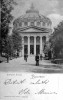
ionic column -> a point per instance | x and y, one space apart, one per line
41 47
34 45
22 46
28 45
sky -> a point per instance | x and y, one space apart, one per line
49 8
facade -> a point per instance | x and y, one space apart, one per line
34 29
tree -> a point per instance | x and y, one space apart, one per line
47 50
57 41
17 41
8 49
6 18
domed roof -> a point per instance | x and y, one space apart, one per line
33 15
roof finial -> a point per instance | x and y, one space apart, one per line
32 6
32 9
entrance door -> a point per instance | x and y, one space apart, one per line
25 49
37 49
31 49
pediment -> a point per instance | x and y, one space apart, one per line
33 29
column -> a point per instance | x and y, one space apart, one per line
47 38
34 45
28 45
22 46
41 47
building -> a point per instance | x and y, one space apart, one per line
34 29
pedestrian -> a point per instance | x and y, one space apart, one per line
7 58
25 57
49 55
37 60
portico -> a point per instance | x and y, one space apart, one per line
33 43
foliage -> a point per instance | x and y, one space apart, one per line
17 40
57 40
47 47
6 18
12 44
7 45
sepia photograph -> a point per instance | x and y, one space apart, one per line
31 50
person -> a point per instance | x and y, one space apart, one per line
25 57
37 60
49 55
7 58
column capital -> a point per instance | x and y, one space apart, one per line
40 36
28 36
35 36
22 36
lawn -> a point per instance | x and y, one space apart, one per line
2 59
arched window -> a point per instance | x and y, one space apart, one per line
20 24
38 40
38 23
32 40
43 23
44 39
25 23
25 39
48 24
32 23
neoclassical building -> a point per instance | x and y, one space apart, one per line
34 29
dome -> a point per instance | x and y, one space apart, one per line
33 15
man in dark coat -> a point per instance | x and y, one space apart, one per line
25 57
49 54
7 58
37 60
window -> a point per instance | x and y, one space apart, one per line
43 23
44 39
25 39
32 23
20 24
31 49
25 23
32 40
38 40
38 23
48 23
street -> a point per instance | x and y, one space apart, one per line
19 65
